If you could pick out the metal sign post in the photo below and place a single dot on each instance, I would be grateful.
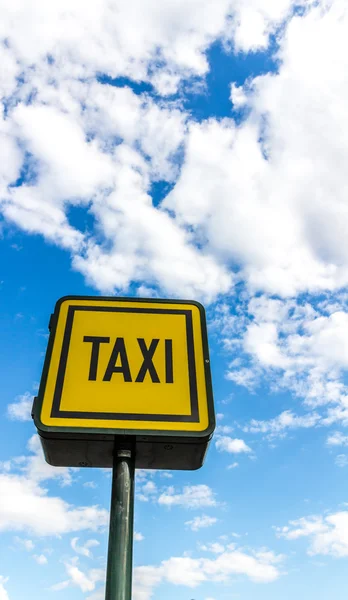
(126, 384)
(120, 552)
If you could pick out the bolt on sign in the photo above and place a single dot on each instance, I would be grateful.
(128, 371)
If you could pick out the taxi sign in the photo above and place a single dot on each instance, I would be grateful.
(126, 368)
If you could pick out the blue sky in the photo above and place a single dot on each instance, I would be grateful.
(190, 150)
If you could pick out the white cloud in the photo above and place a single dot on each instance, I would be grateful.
(233, 466)
(20, 410)
(172, 33)
(148, 241)
(328, 535)
(246, 377)
(337, 439)
(145, 579)
(288, 233)
(37, 469)
(341, 460)
(90, 484)
(41, 559)
(111, 181)
(261, 340)
(201, 522)
(85, 581)
(28, 545)
(256, 20)
(214, 547)
(3, 593)
(26, 506)
(223, 429)
(146, 491)
(194, 496)
(279, 426)
(142, 475)
(138, 537)
(298, 346)
(260, 567)
(60, 586)
(87, 39)
(84, 549)
(149, 488)
(238, 96)
(233, 446)
(111, 145)
(183, 571)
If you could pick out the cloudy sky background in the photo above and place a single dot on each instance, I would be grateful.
(193, 149)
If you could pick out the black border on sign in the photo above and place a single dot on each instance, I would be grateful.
(193, 417)
(68, 432)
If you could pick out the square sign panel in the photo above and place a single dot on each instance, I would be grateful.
(129, 367)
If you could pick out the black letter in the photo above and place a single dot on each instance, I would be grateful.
(119, 349)
(95, 341)
(169, 360)
(147, 362)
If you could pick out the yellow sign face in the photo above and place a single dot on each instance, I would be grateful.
(127, 365)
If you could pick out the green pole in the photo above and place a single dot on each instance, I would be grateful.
(120, 552)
